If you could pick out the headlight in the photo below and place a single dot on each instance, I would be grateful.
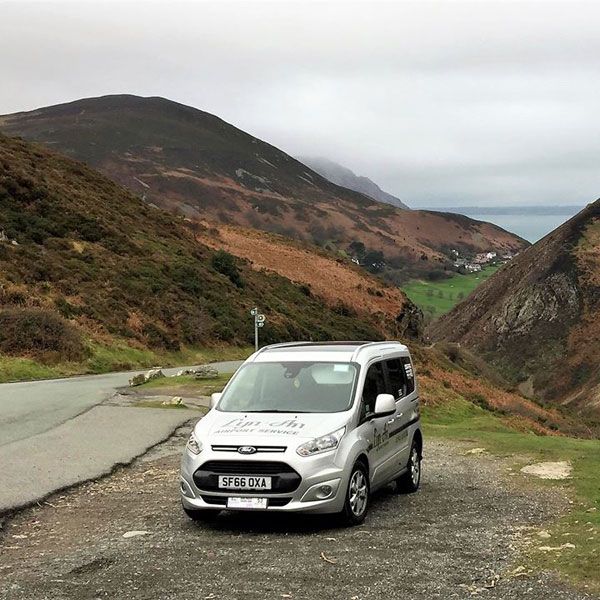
(193, 445)
(321, 444)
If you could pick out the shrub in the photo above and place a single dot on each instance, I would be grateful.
(39, 332)
(159, 338)
(224, 263)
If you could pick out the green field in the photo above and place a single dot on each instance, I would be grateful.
(461, 420)
(436, 298)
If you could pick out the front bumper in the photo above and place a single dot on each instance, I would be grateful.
(308, 496)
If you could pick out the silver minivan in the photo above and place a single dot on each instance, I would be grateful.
(307, 427)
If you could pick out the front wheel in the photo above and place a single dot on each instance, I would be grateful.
(408, 482)
(356, 504)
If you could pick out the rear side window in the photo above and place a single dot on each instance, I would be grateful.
(397, 377)
(410, 374)
(374, 385)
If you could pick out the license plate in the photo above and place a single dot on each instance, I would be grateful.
(244, 482)
(255, 503)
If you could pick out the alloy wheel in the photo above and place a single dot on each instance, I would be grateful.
(358, 493)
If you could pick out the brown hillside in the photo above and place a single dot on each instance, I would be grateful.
(83, 259)
(194, 163)
(337, 281)
(538, 318)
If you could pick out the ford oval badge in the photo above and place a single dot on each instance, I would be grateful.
(246, 449)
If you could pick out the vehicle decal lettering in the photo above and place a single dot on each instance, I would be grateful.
(244, 425)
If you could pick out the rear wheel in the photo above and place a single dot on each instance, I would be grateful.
(356, 504)
(409, 482)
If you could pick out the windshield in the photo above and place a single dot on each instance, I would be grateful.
(312, 387)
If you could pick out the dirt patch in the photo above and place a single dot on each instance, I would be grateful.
(456, 538)
(549, 470)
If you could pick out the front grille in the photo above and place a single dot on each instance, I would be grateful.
(222, 500)
(246, 467)
(283, 478)
(223, 448)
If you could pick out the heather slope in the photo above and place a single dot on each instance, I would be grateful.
(335, 280)
(192, 162)
(538, 319)
(82, 259)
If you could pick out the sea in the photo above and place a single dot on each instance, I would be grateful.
(529, 222)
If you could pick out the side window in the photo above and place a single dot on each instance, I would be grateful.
(374, 385)
(397, 378)
(410, 374)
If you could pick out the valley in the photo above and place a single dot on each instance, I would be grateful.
(536, 320)
(436, 298)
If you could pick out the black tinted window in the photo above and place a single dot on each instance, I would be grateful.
(397, 377)
(374, 385)
(410, 374)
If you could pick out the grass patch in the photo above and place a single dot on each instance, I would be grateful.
(462, 420)
(187, 385)
(117, 357)
(24, 369)
(436, 298)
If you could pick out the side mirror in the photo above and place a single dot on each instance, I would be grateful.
(214, 399)
(385, 405)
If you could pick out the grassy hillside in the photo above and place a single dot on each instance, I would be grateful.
(320, 273)
(537, 317)
(436, 298)
(192, 162)
(84, 265)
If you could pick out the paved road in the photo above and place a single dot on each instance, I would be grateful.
(458, 538)
(32, 407)
(56, 433)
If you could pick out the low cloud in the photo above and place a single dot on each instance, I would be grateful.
(444, 103)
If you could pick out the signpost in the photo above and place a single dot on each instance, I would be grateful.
(259, 321)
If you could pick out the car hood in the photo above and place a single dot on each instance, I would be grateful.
(252, 428)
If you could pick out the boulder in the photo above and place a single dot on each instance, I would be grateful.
(155, 373)
(206, 372)
(174, 401)
(137, 380)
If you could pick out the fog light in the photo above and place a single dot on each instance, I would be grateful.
(324, 492)
(185, 489)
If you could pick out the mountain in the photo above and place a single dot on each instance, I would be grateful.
(538, 318)
(343, 176)
(82, 260)
(195, 164)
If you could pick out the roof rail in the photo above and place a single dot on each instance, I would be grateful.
(360, 345)
(371, 344)
(280, 345)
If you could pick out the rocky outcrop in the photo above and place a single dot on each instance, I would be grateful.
(537, 318)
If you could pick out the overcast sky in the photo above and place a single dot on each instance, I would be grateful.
(442, 103)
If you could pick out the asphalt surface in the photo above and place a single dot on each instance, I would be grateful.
(55, 433)
(125, 536)
(32, 407)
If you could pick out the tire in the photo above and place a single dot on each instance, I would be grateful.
(200, 515)
(408, 483)
(356, 504)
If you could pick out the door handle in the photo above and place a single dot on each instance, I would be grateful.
(390, 421)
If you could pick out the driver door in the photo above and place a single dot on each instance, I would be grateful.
(375, 429)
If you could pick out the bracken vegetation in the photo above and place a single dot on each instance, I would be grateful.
(84, 260)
